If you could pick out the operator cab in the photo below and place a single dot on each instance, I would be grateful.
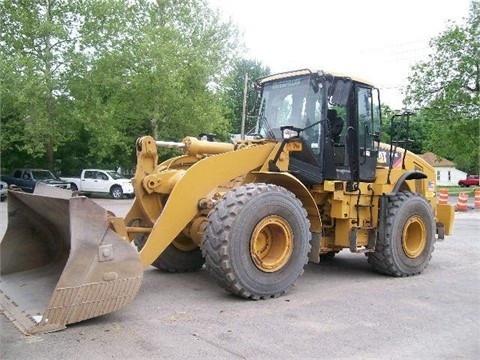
(336, 118)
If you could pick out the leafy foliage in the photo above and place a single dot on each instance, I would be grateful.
(234, 93)
(82, 80)
(447, 89)
(415, 130)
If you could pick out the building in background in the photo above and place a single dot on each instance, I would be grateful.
(447, 174)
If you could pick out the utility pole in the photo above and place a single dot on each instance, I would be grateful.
(244, 108)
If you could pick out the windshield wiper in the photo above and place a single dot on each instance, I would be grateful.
(268, 130)
(312, 125)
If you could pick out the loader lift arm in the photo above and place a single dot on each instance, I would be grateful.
(186, 190)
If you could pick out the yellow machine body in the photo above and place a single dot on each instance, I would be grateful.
(251, 211)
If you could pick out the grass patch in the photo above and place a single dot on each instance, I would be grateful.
(455, 190)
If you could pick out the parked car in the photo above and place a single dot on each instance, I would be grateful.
(27, 179)
(471, 180)
(3, 190)
(97, 181)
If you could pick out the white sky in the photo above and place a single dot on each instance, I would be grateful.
(377, 40)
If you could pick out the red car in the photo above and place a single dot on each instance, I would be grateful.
(471, 180)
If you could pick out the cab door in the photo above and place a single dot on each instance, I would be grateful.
(368, 131)
(102, 184)
(89, 181)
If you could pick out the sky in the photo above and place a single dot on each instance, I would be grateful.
(376, 40)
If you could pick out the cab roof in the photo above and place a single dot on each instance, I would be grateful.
(300, 72)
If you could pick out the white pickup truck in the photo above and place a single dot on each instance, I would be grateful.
(95, 181)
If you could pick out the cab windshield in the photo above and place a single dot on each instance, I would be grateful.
(115, 175)
(292, 102)
(43, 175)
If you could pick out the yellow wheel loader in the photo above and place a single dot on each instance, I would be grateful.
(312, 180)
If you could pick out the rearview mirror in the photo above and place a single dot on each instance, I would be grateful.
(339, 91)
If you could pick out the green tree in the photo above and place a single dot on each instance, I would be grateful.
(31, 79)
(42, 43)
(416, 131)
(447, 90)
(234, 92)
(82, 80)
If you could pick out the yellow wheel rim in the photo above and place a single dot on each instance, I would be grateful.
(414, 238)
(271, 243)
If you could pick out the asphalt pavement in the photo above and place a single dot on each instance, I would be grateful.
(338, 309)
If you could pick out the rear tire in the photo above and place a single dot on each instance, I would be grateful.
(73, 187)
(116, 192)
(407, 245)
(256, 242)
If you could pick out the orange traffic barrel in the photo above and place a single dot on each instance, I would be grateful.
(462, 201)
(477, 199)
(443, 197)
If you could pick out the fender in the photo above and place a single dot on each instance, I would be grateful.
(294, 185)
(409, 175)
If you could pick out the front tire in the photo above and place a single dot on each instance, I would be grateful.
(256, 242)
(407, 245)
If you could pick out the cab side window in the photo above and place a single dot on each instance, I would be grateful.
(368, 112)
(368, 117)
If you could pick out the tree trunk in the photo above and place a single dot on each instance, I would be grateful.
(50, 155)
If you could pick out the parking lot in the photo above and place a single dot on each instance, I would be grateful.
(337, 310)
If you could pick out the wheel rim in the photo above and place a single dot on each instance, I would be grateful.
(271, 243)
(117, 193)
(414, 236)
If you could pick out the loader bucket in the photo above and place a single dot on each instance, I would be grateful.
(61, 263)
